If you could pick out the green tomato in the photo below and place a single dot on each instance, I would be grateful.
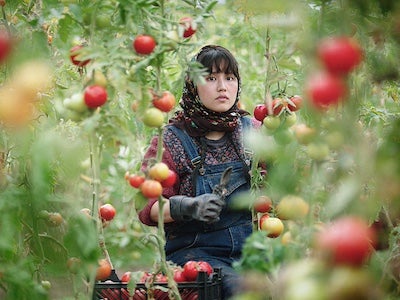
(271, 122)
(76, 103)
(318, 151)
(290, 119)
(153, 117)
(283, 137)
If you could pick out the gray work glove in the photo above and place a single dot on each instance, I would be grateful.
(205, 208)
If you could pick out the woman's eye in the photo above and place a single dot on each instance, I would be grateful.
(210, 78)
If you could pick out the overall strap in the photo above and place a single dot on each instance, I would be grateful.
(188, 144)
(190, 147)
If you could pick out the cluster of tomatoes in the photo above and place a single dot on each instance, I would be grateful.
(161, 103)
(106, 214)
(338, 56)
(271, 217)
(151, 185)
(94, 94)
(280, 111)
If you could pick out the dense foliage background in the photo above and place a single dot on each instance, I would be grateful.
(56, 161)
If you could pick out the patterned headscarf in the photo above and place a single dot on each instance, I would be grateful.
(194, 117)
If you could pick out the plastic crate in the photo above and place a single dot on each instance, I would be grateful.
(204, 288)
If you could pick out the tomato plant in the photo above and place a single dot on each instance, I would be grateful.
(144, 44)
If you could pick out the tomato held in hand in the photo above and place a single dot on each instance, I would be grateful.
(339, 55)
(95, 96)
(325, 89)
(144, 44)
(107, 212)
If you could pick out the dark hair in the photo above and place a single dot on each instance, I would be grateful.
(217, 57)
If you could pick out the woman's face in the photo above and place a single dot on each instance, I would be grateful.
(219, 91)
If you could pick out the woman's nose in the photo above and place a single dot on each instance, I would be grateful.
(221, 86)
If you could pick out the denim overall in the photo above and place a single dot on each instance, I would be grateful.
(219, 243)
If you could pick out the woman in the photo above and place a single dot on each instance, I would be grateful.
(202, 140)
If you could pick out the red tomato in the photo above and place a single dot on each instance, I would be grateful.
(178, 275)
(325, 89)
(347, 241)
(164, 103)
(278, 104)
(151, 188)
(170, 180)
(126, 277)
(263, 204)
(205, 267)
(144, 44)
(296, 103)
(192, 268)
(103, 270)
(74, 52)
(189, 26)
(136, 180)
(107, 212)
(339, 55)
(260, 112)
(95, 96)
(161, 278)
(5, 45)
